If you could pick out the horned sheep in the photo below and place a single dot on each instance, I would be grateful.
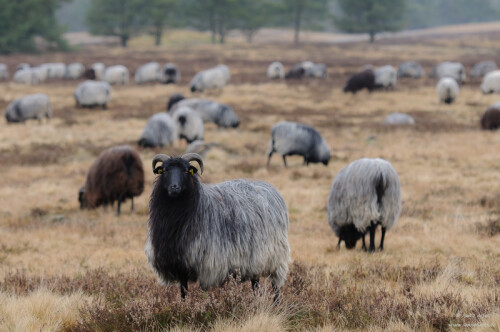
(189, 124)
(116, 75)
(35, 106)
(170, 74)
(447, 90)
(160, 130)
(116, 175)
(210, 79)
(276, 70)
(147, 73)
(92, 94)
(363, 195)
(491, 82)
(210, 111)
(205, 232)
(292, 138)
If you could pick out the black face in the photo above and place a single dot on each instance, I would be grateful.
(350, 235)
(177, 176)
(81, 192)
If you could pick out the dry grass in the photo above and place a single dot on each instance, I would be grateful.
(66, 269)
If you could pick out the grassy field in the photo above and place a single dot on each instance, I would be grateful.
(67, 269)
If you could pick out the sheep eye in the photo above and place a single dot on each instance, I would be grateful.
(158, 170)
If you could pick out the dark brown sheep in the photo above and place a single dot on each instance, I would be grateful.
(491, 118)
(359, 81)
(296, 72)
(116, 175)
(90, 74)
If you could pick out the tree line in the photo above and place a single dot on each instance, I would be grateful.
(21, 21)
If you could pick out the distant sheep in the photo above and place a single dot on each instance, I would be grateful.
(410, 69)
(210, 111)
(35, 106)
(307, 69)
(99, 69)
(317, 70)
(360, 81)
(276, 70)
(447, 90)
(292, 138)
(55, 70)
(160, 130)
(386, 77)
(206, 232)
(116, 75)
(27, 76)
(174, 99)
(4, 72)
(491, 118)
(454, 70)
(491, 82)
(189, 124)
(42, 72)
(74, 71)
(116, 175)
(210, 79)
(296, 72)
(90, 74)
(482, 68)
(364, 194)
(147, 73)
(93, 94)
(170, 74)
(399, 119)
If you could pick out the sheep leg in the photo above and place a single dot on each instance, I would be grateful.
(338, 243)
(118, 208)
(364, 244)
(382, 240)
(132, 206)
(184, 288)
(269, 158)
(284, 160)
(373, 227)
(276, 290)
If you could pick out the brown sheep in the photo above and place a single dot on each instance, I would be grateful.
(491, 118)
(90, 74)
(117, 174)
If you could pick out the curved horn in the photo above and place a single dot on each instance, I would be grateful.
(194, 157)
(159, 157)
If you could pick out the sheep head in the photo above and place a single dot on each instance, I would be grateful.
(177, 176)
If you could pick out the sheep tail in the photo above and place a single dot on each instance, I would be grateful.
(380, 188)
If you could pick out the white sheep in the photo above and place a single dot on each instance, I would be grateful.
(482, 68)
(386, 77)
(410, 69)
(454, 70)
(276, 70)
(26, 76)
(160, 130)
(92, 94)
(189, 124)
(35, 106)
(170, 74)
(210, 79)
(147, 73)
(447, 90)
(491, 82)
(74, 71)
(116, 75)
(99, 69)
(399, 119)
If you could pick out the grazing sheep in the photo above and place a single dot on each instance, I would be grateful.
(149, 72)
(170, 74)
(116, 175)
(210, 79)
(99, 69)
(189, 124)
(55, 70)
(174, 99)
(317, 70)
(90, 74)
(116, 75)
(296, 72)
(93, 94)
(4, 72)
(42, 72)
(364, 194)
(491, 82)
(74, 71)
(454, 70)
(35, 106)
(160, 130)
(359, 81)
(399, 119)
(27, 76)
(205, 232)
(199, 147)
(386, 77)
(292, 138)
(276, 70)
(410, 69)
(210, 111)
(482, 68)
(491, 118)
(447, 90)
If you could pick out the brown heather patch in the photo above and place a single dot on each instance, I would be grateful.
(489, 228)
